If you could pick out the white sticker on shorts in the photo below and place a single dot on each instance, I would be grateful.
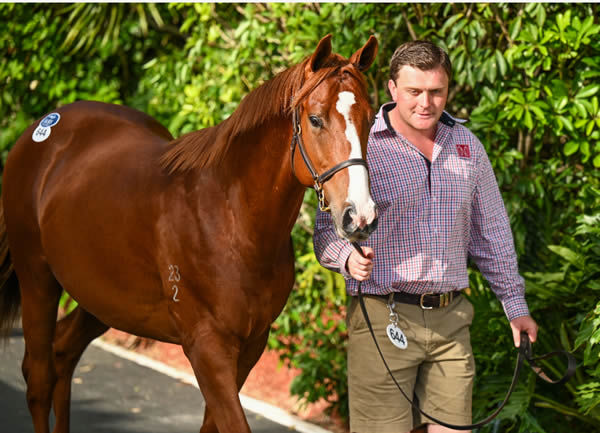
(396, 336)
(42, 132)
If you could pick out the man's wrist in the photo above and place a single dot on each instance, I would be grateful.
(516, 307)
(343, 257)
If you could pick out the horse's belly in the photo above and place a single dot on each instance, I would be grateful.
(104, 257)
(121, 297)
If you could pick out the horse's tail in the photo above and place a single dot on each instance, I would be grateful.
(10, 295)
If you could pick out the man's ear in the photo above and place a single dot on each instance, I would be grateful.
(321, 53)
(364, 57)
(392, 89)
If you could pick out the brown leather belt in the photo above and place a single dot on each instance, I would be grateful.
(427, 301)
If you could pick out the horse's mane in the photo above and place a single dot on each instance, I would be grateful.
(208, 147)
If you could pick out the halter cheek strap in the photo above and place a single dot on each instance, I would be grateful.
(318, 180)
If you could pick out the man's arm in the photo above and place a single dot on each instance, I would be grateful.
(492, 249)
(337, 254)
(331, 251)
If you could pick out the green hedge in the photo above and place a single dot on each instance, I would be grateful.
(526, 77)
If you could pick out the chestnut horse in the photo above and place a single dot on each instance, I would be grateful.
(185, 241)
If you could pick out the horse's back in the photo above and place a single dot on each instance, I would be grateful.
(87, 135)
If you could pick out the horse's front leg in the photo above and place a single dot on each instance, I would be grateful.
(249, 356)
(214, 356)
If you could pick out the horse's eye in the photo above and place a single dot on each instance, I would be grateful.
(315, 121)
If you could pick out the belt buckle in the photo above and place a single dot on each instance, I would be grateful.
(421, 302)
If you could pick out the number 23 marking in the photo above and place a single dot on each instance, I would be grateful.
(174, 276)
(174, 273)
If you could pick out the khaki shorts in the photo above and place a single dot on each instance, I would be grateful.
(437, 366)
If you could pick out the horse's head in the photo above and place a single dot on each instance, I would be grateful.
(332, 117)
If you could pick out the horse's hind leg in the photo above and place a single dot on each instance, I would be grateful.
(73, 334)
(40, 293)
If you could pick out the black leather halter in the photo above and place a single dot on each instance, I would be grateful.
(318, 180)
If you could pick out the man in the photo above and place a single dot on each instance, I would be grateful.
(438, 204)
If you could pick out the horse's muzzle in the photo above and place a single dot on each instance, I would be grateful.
(357, 227)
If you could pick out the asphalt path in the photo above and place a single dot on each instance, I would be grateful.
(111, 395)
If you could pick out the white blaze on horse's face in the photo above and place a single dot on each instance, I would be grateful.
(358, 185)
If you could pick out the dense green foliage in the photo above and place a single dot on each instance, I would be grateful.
(526, 77)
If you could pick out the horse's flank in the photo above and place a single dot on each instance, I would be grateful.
(275, 98)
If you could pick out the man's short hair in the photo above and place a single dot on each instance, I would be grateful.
(422, 55)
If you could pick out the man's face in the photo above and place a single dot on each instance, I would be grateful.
(420, 97)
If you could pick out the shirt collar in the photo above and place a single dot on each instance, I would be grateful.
(380, 124)
(383, 125)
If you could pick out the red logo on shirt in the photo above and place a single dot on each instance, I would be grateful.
(463, 150)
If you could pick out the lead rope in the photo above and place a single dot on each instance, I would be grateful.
(525, 353)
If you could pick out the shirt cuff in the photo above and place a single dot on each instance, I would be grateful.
(515, 307)
(343, 258)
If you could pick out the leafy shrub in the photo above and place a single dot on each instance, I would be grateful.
(526, 77)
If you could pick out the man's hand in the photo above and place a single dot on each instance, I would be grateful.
(524, 324)
(360, 267)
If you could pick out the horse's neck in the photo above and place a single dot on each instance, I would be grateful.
(260, 189)
(271, 188)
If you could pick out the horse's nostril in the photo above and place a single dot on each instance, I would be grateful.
(373, 225)
(347, 217)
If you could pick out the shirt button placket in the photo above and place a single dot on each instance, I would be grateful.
(434, 213)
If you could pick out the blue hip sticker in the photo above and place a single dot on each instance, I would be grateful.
(50, 120)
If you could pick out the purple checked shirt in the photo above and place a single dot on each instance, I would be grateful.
(432, 216)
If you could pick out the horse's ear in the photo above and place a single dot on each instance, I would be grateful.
(364, 57)
(321, 53)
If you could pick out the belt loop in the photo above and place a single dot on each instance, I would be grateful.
(391, 298)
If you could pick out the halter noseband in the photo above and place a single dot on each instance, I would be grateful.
(318, 180)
